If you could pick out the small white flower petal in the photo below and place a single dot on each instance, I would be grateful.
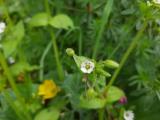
(2, 27)
(83, 69)
(128, 115)
(89, 71)
(11, 60)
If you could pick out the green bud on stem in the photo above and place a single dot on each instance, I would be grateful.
(111, 64)
(101, 71)
(70, 52)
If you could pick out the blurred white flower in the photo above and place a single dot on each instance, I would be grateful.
(128, 115)
(87, 66)
(2, 27)
(149, 3)
(11, 60)
(156, 1)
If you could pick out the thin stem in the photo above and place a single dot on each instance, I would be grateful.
(106, 13)
(47, 7)
(13, 84)
(80, 42)
(55, 48)
(48, 47)
(126, 55)
(58, 63)
(42, 60)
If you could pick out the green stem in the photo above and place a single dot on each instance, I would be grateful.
(47, 7)
(48, 47)
(13, 84)
(80, 42)
(106, 13)
(126, 55)
(58, 63)
(42, 60)
(55, 48)
(121, 113)
(101, 114)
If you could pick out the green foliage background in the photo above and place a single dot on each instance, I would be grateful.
(139, 77)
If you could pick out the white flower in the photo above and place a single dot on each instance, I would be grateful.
(2, 27)
(11, 60)
(87, 66)
(156, 1)
(128, 115)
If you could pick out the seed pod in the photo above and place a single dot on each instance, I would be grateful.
(70, 52)
(101, 71)
(111, 64)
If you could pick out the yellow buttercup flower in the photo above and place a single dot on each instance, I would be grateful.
(48, 89)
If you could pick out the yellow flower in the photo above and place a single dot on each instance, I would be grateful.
(48, 89)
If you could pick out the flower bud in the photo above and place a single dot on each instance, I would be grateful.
(111, 64)
(101, 71)
(123, 100)
(70, 52)
(91, 93)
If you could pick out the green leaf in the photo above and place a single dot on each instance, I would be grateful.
(61, 21)
(128, 11)
(94, 103)
(48, 114)
(71, 86)
(13, 40)
(16, 69)
(79, 60)
(114, 94)
(40, 19)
